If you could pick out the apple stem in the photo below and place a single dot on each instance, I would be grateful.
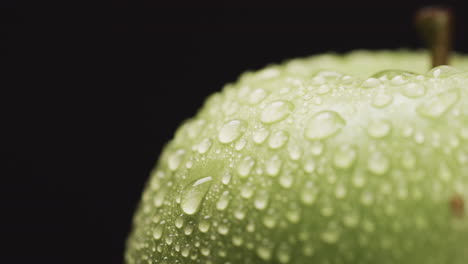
(436, 25)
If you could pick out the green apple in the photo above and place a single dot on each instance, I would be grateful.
(355, 158)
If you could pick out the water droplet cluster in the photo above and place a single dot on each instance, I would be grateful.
(292, 163)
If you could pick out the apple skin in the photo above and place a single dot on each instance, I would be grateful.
(355, 158)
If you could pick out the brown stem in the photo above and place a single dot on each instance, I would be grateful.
(436, 25)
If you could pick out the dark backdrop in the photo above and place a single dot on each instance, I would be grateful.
(88, 99)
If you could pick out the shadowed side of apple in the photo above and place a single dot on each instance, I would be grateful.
(355, 158)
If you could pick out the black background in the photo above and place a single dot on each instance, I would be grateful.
(88, 99)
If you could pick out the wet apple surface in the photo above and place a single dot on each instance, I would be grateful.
(355, 158)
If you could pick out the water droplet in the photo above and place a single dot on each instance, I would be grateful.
(245, 166)
(226, 178)
(295, 152)
(408, 160)
(239, 214)
(276, 111)
(204, 225)
(378, 163)
(264, 252)
(340, 191)
(179, 222)
(223, 229)
(308, 250)
(439, 104)
(278, 139)
(270, 220)
(231, 131)
(194, 194)
(316, 148)
(381, 100)
(240, 144)
(371, 83)
(286, 180)
(157, 233)
(237, 241)
(205, 251)
(174, 159)
(223, 201)
(351, 220)
(379, 128)
(256, 96)
(260, 135)
(323, 89)
(443, 71)
(344, 156)
(324, 124)
(188, 230)
(159, 198)
(261, 200)
(419, 137)
(293, 214)
(444, 172)
(309, 165)
(398, 80)
(309, 193)
(185, 252)
(368, 226)
(283, 253)
(250, 227)
(367, 198)
(331, 235)
(194, 128)
(247, 191)
(204, 146)
(273, 165)
(413, 90)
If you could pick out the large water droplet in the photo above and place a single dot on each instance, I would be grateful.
(276, 111)
(231, 131)
(261, 200)
(223, 201)
(245, 166)
(194, 194)
(260, 135)
(379, 128)
(273, 165)
(439, 104)
(378, 163)
(278, 139)
(344, 156)
(324, 124)
(174, 159)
